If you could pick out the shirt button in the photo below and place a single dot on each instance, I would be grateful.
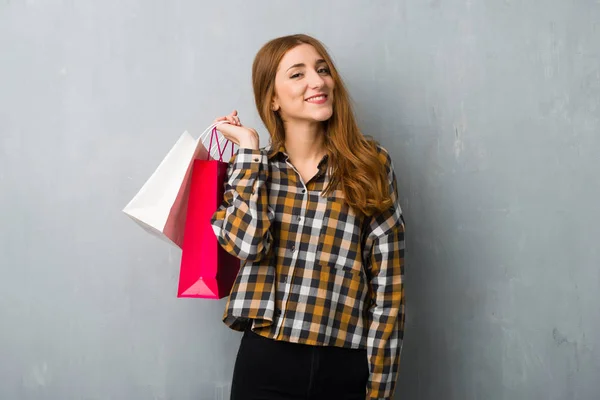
(256, 160)
(303, 190)
(292, 248)
(299, 218)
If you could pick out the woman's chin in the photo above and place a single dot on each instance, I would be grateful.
(322, 116)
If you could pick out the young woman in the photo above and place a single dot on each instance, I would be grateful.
(316, 220)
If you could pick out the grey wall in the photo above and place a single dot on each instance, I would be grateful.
(491, 112)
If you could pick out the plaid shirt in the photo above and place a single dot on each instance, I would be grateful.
(314, 271)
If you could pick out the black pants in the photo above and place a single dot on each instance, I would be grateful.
(268, 369)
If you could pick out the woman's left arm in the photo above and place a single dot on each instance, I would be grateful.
(384, 253)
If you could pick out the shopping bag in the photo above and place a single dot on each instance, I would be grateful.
(207, 270)
(161, 204)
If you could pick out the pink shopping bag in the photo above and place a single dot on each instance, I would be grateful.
(207, 270)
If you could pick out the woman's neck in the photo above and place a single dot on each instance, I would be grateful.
(304, 143)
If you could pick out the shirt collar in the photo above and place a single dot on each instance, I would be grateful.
(283, 156)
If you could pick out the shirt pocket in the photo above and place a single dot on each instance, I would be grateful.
(339, 239)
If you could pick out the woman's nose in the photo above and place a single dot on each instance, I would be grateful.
(315, 80)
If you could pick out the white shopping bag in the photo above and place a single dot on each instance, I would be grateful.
(161, 204)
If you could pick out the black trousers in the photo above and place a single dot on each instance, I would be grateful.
(268, 369)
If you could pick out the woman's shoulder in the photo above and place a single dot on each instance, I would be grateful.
(384, 156)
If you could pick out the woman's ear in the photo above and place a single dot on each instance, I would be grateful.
(274, 104)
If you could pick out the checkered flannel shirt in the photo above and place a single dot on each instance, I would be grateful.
(313, 271)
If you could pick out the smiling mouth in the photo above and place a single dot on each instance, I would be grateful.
(317, 99)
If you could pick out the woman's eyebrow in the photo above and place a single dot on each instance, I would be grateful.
(319, 61)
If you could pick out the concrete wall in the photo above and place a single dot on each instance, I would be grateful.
(491, 111)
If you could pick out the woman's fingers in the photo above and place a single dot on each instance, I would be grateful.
(226, 117)
(231, 118)
(234, 119)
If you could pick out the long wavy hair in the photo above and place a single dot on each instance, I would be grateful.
(358, 170)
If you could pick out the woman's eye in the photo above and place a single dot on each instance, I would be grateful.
(296, 75)
(323, 70)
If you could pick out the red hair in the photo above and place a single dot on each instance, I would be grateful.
(358, 170)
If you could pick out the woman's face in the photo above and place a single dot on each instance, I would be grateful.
(303, 86)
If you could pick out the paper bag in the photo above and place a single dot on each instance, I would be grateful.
(207, 270)
(160, 206)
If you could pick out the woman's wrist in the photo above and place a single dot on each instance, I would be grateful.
(251, 144)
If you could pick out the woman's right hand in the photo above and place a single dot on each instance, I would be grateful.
(234, 131)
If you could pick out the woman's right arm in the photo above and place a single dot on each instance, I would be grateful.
(242, 223)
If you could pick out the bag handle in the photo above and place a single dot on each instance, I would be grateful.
(213, 132)
(221, 152)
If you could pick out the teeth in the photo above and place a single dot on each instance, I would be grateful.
(317, 98)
